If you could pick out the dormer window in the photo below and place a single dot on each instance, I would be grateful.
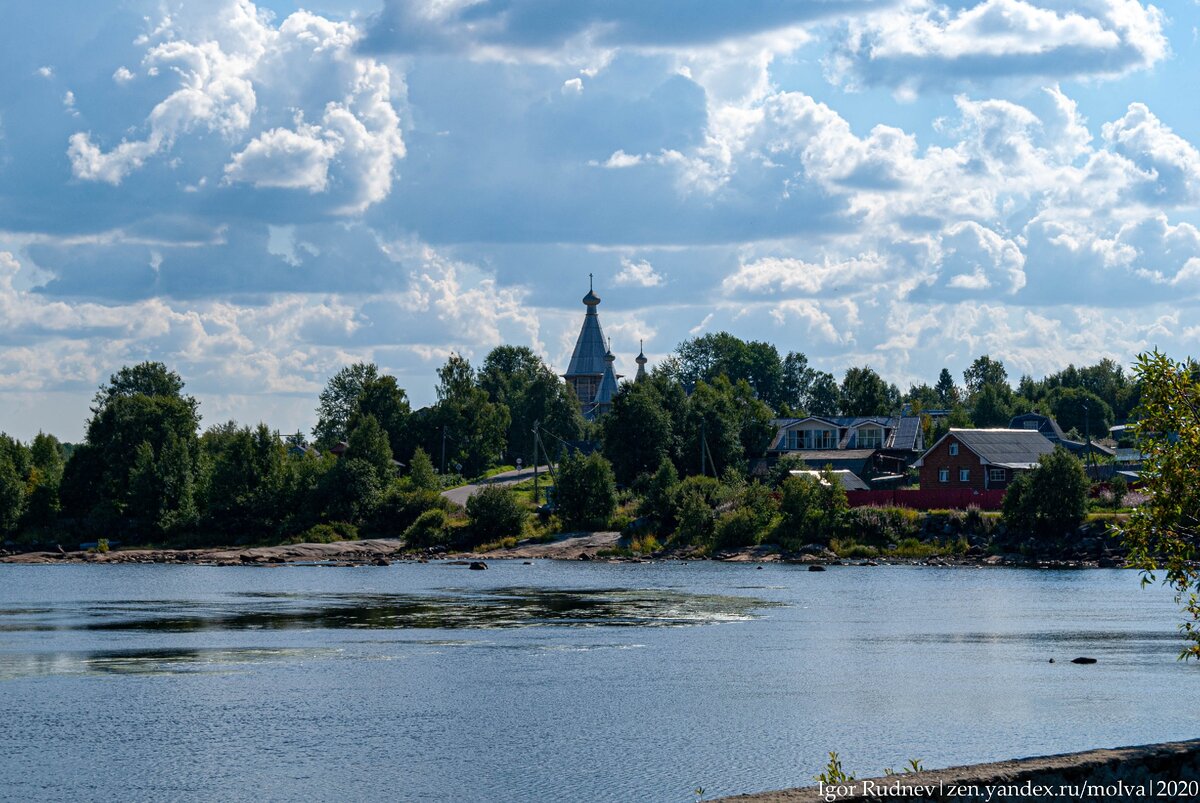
(870, 438)
(1031, 424)
(954, 450)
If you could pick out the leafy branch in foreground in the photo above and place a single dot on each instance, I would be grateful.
(1162, 533)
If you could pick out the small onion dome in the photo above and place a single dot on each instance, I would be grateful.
(591, 299)
(641, 357)
(608, 356)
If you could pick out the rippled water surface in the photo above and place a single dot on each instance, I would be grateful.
(560, 681)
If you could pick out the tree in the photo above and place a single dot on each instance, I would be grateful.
(421, 473)
(515, 377)
(45, 479)
(1083, 410)
(704, 358)
(946, 391)
(1164, 531)
(712, 430)
(339, 400)
(824, 396)
(12, 487)
(993, 407)
(810, 507)
(797, 383)
(585, 493)
(369, 443)
(474, 427)
(658, 501)
(494, 513)
(383, 399)
(637, 432)
(100, 484)
(1050, 500)
(243, 478)
(864, 393)
(984, 372)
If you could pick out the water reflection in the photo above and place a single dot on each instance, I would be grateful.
(447, 608)
(144, 661)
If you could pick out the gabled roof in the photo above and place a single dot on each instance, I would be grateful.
(1008, 448)
(1047, 425)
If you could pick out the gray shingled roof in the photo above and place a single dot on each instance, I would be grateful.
(1011, 448)
(608, 385)
(588, 356)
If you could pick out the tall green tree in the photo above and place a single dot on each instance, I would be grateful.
(1050, 500)
(368, 442)
(12, 484)
(140, 405)
(47, 459)
(1163, 532)
(984, 372)
(384, 400)
(1080, 410)
(824, 395)
(947, 391)
(864, 392)
(712, 430)
(475, 428)
(339, 401)
(515, 377)
(704, 358)
(637, 432)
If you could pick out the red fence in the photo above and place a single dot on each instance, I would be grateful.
(931, 499)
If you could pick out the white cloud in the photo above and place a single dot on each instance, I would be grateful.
(637, 274)
(122, 75)
(223, 63)
(923, 42)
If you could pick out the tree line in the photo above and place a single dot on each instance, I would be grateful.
(145, 472)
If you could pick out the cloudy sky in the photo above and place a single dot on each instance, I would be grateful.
(260, 194)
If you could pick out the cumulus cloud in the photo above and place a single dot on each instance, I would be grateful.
(637, 274)
(925, 43)
(223, 63)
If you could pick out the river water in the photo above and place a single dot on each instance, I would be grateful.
(561, 680)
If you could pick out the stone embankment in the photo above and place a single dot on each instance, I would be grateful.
(1163, 771)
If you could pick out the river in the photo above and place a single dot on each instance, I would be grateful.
(561, 680)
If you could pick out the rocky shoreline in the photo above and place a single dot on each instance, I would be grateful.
(572, 546)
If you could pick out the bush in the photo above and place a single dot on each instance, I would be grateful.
(399, 508)
(328, 533)
(849, 548)
(737, 528)
(432, 528)
(586, 491)
(880, 525)
(695, 517)
(645, 545)
(1050, 500)
(658, 496)
(811, 508)
(494, 513)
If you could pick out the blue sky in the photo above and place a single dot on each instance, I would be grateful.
(260, 194)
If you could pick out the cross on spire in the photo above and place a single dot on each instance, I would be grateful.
(590, 282)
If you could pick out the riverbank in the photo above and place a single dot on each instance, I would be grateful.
(600, 546)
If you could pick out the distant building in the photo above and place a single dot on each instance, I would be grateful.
(848, 479)
(860, 444)
(592, 372)
(1053, 433)
(981, 459)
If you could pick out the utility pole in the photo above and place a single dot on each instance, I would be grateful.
(535, 462)
(703, 468)
(443, 448)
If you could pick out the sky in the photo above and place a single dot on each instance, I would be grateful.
(260, 194)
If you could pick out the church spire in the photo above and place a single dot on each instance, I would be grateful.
(641, 362)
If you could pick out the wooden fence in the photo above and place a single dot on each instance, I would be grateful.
(928, 499)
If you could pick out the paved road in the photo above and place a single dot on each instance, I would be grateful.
(461, 494)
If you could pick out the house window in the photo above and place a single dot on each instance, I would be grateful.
(1031, 424)
(996, 475)
(964, 475)
(943, 475)
(793, 440)
(954, 450)
(870, 438)
(818, 439)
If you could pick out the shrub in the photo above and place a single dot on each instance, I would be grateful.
(658, 499)
(737, 528)
(810, 508)
(399, 508)
(880, 525)
(102, 545)
(849, 548)
(420, 472)
(1051, 499)
(432, 528)
(645, 545)
(695, 517)
(494, 513)
(586, 491)
(328, 533)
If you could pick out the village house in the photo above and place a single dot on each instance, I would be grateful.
(1053, 433)
(864, 445)
(981, 459)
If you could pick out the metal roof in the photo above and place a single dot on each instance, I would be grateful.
(608, 384)
(1013, 448)
(850, 481)
(905, 435)
(588, 356)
